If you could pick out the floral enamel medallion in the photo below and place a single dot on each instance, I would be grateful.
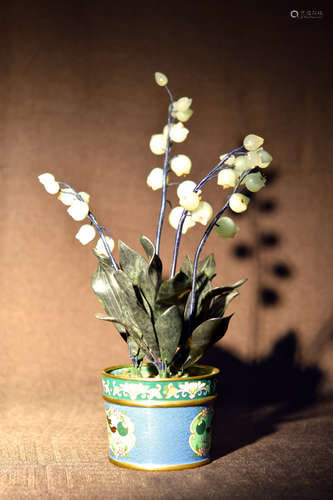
(120, 432)
(201, 432)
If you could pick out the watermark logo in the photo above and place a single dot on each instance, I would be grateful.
(306, 14)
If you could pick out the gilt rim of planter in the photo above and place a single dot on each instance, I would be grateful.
(211, 371)
(161, 404)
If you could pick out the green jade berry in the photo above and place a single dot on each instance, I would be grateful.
(226, 228)
(265, 157)
(254, 182)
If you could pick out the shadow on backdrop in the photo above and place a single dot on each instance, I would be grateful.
(255, 396)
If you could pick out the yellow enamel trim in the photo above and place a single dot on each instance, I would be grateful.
(160, 404)
(152, 468)
(211, 372)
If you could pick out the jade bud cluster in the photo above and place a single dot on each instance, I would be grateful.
(78, 209)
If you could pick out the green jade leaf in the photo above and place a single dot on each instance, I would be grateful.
(147, 291)
(203, 337)
(187, 267)
(137, 269)
(121, 305)
(169, 328)
(174, 291)
(206, 266)
(218, 307)
(155, 263)
(102, 287)
(135, 314)
(132, 263)
(221, 291)
(205, 273)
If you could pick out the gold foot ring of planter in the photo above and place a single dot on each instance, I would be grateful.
(153, 468)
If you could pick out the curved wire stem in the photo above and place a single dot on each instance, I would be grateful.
(201, 245)
(100, 229)
(211, 175)
(165, 172)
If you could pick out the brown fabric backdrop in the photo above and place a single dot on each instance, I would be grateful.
(78, 100)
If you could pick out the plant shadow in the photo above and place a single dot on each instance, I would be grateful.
(255, 396)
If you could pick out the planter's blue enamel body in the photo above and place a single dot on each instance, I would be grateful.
(160, 424)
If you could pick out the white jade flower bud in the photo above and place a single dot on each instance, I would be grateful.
(85, 234)
(85, 196)
(46, 178)
(78, 210)
(226, 227)
(254, 159)
(252, 142)
(203, 213)
(183, 104)
(67, 196)
(100, 248)
(181, 165)
(49, 183)
(265, 157)
(254, 182)
(161, 79)
(178, 132)
(185, 187)
(174, 218)
(182, 116)
(158, 144)
(230, 161)
(238, 202)
(189, 201)
(227, 178)
(52, 187)
(155, 178)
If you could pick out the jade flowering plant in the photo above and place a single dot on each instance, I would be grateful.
(170, 321)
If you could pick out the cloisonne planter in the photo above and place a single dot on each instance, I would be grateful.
(159, 423)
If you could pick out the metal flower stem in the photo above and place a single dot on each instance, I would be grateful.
(177, 242)
(165, 172)
(99, 228)
(159, 365)
(204, 180)
(91, 217)
(201, 244)
(134, 360)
